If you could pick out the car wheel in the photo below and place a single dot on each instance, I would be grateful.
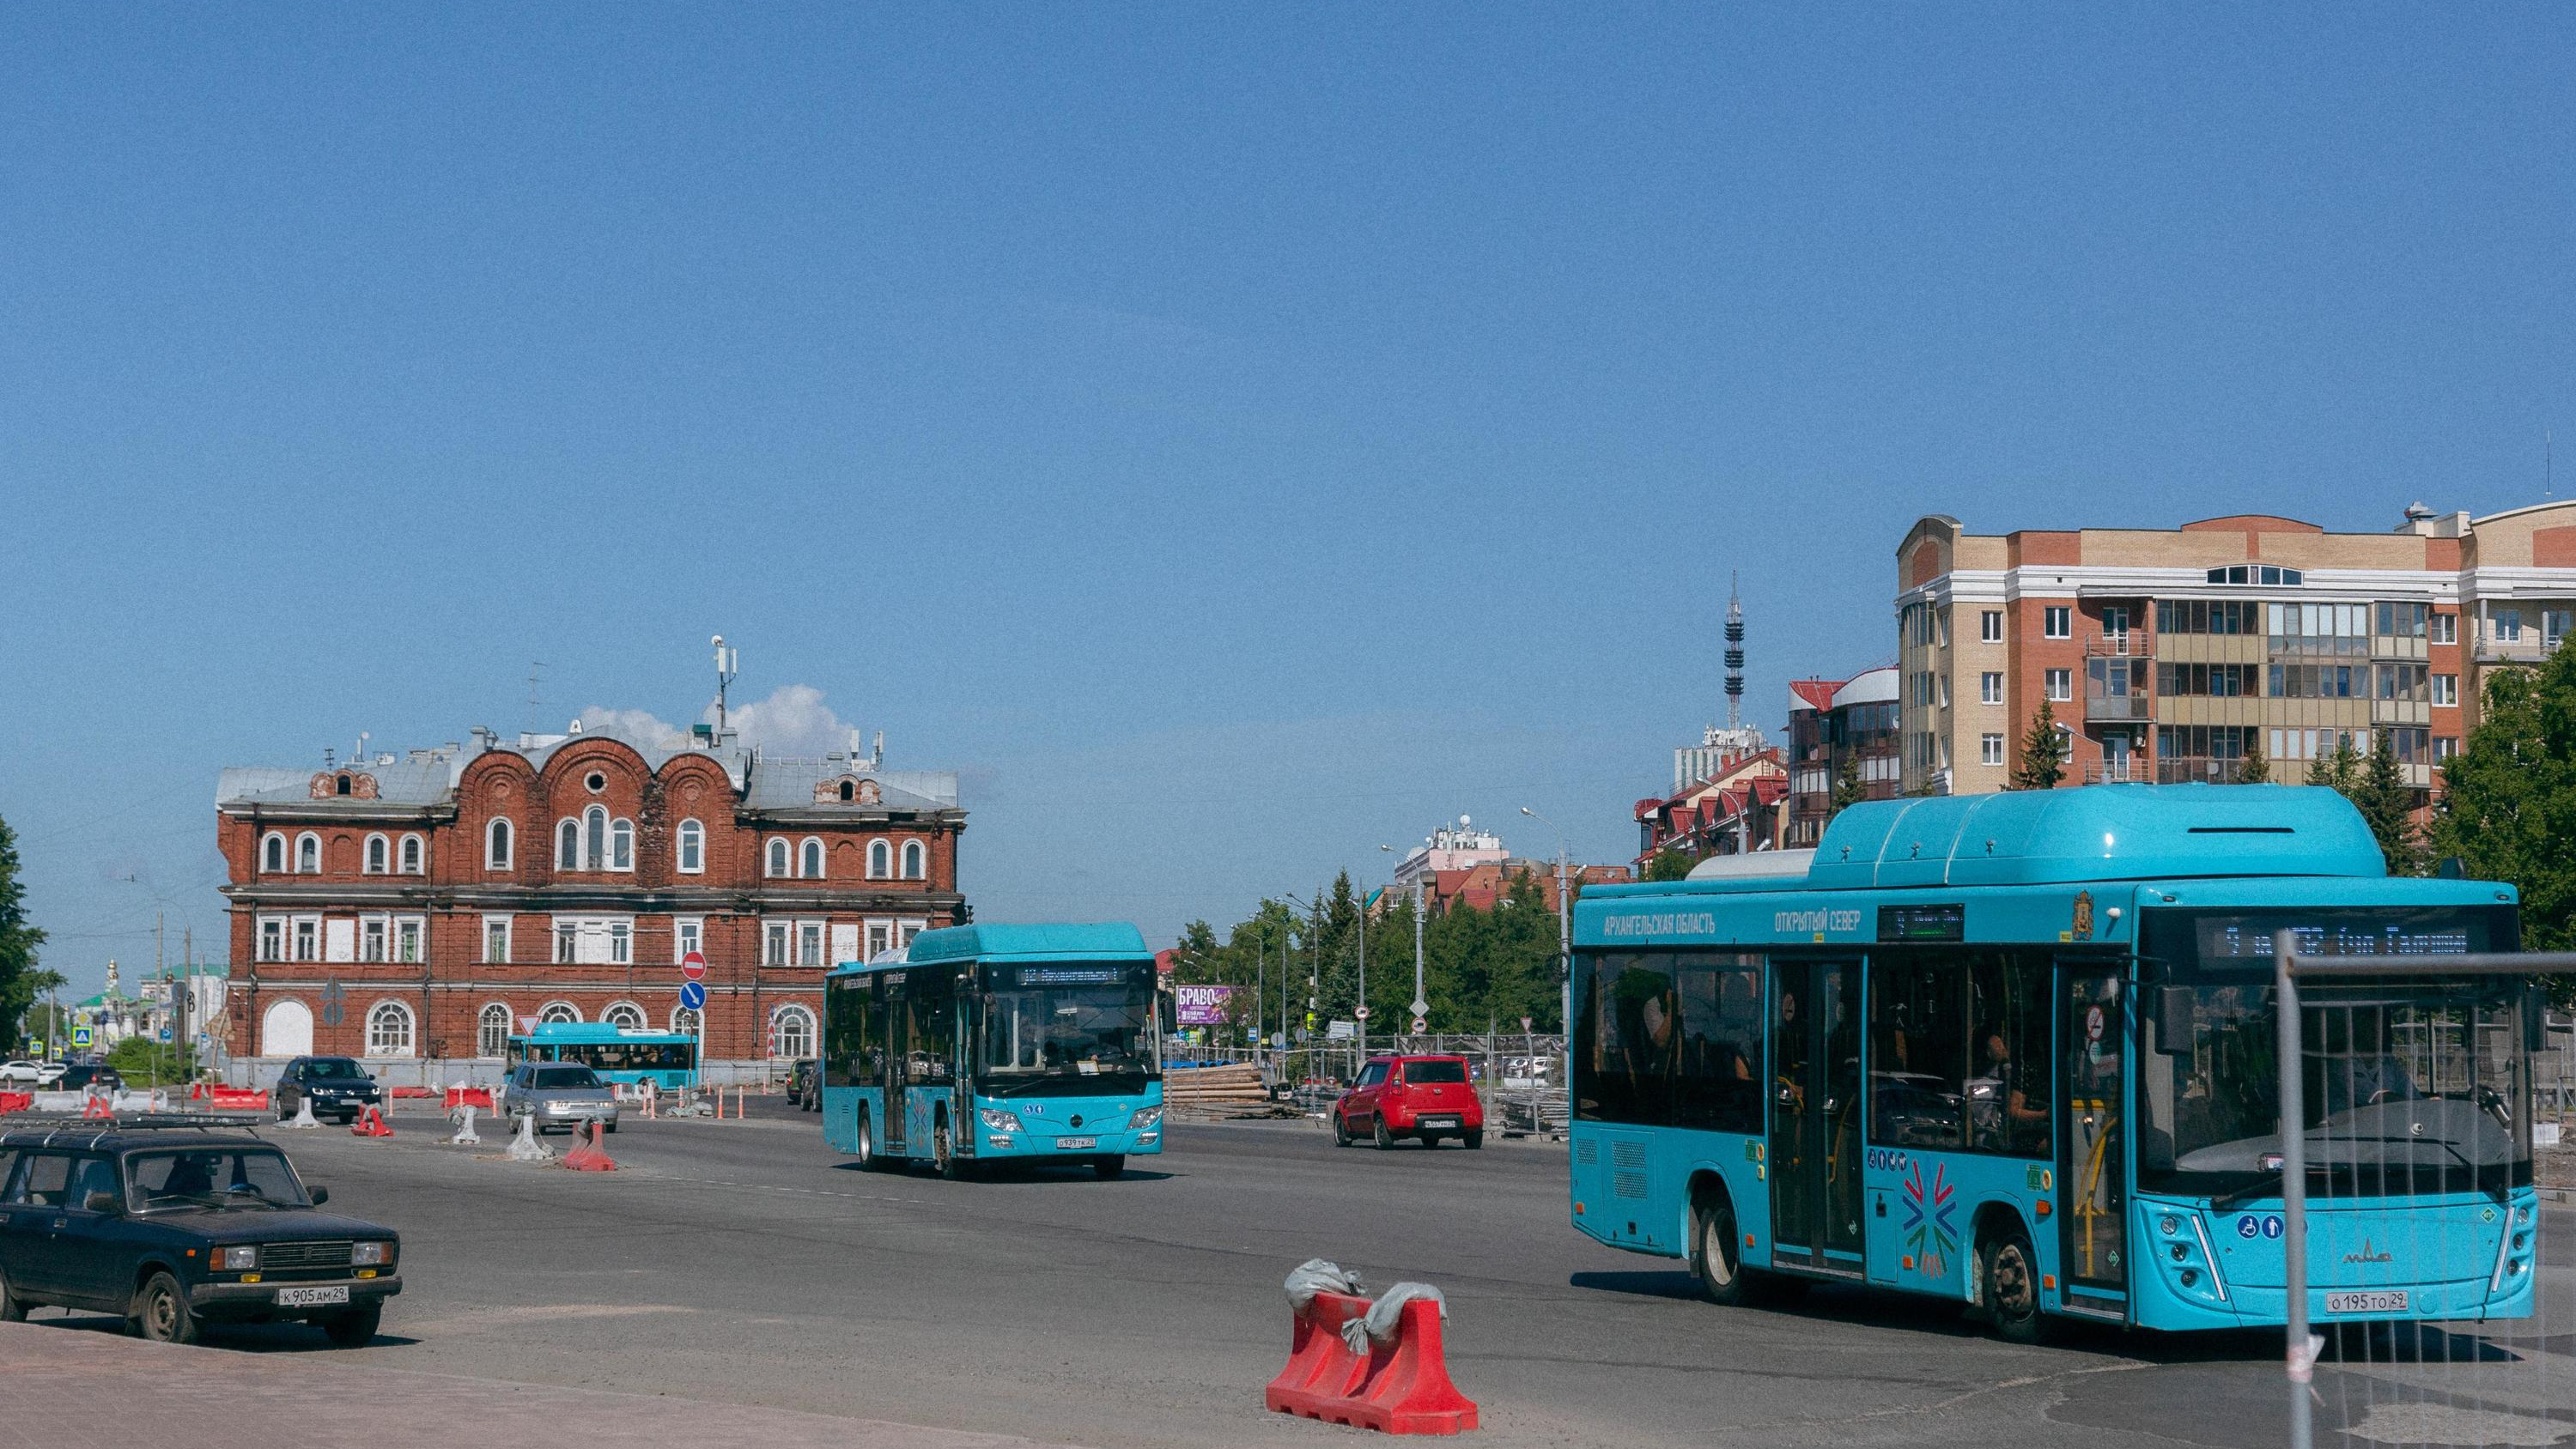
(161, 1312)
(1109, 1168)
(13, 1309)
(1341, 1130)
(1474, 1137)
(355, 1328)
(2010, 1275)
(1379, 1137)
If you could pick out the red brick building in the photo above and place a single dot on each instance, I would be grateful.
(442, 900)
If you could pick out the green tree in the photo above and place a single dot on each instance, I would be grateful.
(2339, 768)
(2254, 769)
(18, 942)
(145, 1063)
(2043, 753)
(2509, 801)
(1849, 788)
(1670, 864)
(2387, 803)
(37, 1021)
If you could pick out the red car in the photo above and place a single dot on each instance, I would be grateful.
(1425, 1097)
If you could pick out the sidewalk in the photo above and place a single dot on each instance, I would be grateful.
(73, 1388)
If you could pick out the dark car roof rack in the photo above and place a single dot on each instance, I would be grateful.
(55, 1131)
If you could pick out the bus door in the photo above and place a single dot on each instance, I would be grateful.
(1815, 1141)
(2092, 1168)
(894, 1027)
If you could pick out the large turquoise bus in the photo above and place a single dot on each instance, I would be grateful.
(2018, 1051)
(628, 1055)
(978, 1044)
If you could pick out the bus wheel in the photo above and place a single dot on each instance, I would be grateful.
(867, 1143)
(1714, 1258)
(2011, 1286)
(943, 1153)
(1109, 1167)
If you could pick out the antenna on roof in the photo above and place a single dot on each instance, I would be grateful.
(536, 678)
(728, 664)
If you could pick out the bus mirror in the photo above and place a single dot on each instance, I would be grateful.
(2174, 1021)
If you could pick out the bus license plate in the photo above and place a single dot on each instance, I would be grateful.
(312, 1297)
(1070, 1143)
(2378, 1300)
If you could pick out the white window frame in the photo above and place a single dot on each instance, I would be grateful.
(819, 934)
(565, 937)
(375, 939)
(880, 938)
(596, 940)
(688, 1023)
(880, 859)
(312, 842)
(378, 857)
(2446, 690)
(304, 939)
(2057, 621)
(909, 927)
(411, 857)
(269, 942)
(568, 850)
(779, 1017)
(621, 844)
(1990, 749)
(558, 1010)
(594, 838)
(775, 858)
(1990, 626)
(500, 924)
(2061, 685)
(500, 842)
(2446, 629)
(411, 940)
(483, 1028)
(609, 1016)
(274, 853)
(811, 858)
(687, 933)
(916, 858)
(1990, 687)
(690, 857)
(392, 1010)
(777, 941)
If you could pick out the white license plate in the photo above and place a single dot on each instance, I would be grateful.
(1070, 1143)
(312, 1297)
(2373, 1300)
(1439, 1121)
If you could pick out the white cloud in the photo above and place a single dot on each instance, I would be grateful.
(793, 720)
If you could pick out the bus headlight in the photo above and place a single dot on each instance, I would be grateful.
(997, 1120)
(1145, 1119)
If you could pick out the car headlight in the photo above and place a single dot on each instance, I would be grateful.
(236, 1260)
(372, 1254)
(1145, 1119)
(997, 1120)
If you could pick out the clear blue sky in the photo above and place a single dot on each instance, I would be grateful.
(1233, 436)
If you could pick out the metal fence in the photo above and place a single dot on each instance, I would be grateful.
(1520, 1075)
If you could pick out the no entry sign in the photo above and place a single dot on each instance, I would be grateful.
(693, 966)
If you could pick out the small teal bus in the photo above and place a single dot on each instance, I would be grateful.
(982, 1044)
(667, 1059)
(2018, 1051)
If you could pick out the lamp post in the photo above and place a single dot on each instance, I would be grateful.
(1564, 932)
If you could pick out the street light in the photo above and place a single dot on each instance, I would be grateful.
(1564, 932)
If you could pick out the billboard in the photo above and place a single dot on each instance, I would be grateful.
(1202, 1005)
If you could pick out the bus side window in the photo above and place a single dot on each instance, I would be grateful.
(1918, 1070)
(1718, 1086)
(2009, 1056)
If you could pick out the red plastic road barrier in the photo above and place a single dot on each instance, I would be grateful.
(196, 1091)
(413, 1092)
(97, 1108)
(589, 1156)
(469, 1096)
(235, 1099)
(370, 1123)
(1400, 1388)
(16, 1101)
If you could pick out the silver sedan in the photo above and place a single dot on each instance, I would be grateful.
(559, 1094)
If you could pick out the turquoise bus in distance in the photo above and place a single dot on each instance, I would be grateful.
(2018, 1051)
(627, 1055)
(982, 1044)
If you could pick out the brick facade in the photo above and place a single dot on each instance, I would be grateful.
(475, 905)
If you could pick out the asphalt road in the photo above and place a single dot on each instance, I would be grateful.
(747, 1263)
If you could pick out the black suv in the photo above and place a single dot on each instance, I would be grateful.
(84, 1076)
(172, 1228)
(338, 1088)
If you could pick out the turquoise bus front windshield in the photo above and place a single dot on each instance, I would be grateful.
(1061, 1030)
(2410, 1086)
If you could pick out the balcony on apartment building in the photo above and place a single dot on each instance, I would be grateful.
(2117, 689)
(2120, 644)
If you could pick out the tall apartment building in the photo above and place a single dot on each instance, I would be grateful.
(1832, 722)
(2169, 654)
(423, 908)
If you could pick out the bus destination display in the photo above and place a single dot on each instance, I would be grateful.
(1071, 975)
(1947, 921)
(2249, 938)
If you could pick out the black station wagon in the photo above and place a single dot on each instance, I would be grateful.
(172, 1228)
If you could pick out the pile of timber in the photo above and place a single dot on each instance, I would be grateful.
(1215, 1087)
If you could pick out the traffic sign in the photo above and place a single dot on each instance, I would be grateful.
(693, 966)
(37, 1046)
(1361, 1012)
(693, 995)
(80, 1038)
(165, 1033)
(1420, 1026)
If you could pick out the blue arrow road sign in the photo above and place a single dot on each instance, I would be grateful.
(693, 994)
